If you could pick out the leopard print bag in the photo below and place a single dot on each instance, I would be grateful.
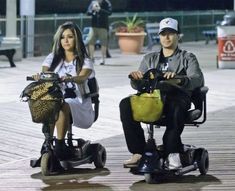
(44, 99)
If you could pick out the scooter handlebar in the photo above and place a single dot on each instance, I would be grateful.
(161, 78)
(130, 77)
(30, 78)
(46, 77)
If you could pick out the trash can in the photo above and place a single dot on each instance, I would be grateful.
(226, 42)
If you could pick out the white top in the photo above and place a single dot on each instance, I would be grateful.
(70, 68)
(81, 108)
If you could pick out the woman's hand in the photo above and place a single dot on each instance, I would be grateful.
(67, 78)
(36, 77)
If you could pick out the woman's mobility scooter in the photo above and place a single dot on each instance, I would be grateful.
(152, 164)
(45, 99)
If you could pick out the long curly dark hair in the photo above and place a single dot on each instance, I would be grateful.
(80, 51)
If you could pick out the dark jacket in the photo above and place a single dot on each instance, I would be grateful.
(100, 19)
(182, 63)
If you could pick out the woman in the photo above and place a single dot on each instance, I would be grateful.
(69, 59)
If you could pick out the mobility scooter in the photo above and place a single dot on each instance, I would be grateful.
(45, 99)
(151, 164)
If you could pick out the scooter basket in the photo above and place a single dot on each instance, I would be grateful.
(43, 110)
(44, 99)
(147, 107)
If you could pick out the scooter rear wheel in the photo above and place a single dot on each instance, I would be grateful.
(203, 162)
(99, 155)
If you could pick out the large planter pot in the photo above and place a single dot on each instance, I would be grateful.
(131, 43)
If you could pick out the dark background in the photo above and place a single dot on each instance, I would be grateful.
(80, 6)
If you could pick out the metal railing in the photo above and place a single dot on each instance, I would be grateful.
(192, 23)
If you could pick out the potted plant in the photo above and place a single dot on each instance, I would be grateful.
(131, 35)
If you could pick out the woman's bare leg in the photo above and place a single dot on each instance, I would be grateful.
(63, 121)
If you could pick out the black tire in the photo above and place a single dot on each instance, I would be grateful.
(149, 178)
(99, 155)
(46, 164)
(203, 162)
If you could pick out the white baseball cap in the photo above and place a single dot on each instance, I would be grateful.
(168, 23)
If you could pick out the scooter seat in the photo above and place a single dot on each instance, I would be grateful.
(193, 115)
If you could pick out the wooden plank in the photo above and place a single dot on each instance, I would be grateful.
(19, 176)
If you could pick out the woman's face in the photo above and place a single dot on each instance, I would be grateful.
(68, 40)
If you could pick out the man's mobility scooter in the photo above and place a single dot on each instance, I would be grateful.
(45, 99)
(151, 165)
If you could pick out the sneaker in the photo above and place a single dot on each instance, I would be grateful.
(133, 161)
(173, 161)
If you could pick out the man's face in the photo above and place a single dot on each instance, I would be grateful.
(169, 39)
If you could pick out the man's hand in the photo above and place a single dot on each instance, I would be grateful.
(169, 75)
(136, 75)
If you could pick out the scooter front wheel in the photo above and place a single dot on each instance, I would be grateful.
(149, 178)
(99, 155)
(46, 164)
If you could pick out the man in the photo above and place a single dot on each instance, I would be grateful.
(170, 61)
(99, 10)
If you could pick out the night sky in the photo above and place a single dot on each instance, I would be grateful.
(78, 6)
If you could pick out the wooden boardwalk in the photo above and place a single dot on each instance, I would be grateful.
(217, 135)
(22, 139)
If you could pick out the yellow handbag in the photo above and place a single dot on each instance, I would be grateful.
(147, 107)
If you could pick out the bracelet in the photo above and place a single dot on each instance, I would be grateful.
(69, 79)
